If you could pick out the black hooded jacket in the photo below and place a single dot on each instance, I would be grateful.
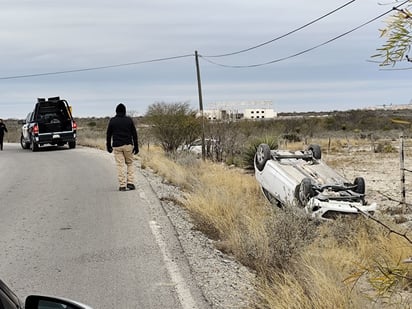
(2, 128)
(122, 129)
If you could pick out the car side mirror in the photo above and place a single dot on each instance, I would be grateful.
(47, 302)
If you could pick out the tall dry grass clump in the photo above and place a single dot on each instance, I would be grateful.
(181, 173)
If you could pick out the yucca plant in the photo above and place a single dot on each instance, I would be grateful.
(248, 154)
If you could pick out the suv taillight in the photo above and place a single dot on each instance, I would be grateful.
(74, 125)
(35, 129)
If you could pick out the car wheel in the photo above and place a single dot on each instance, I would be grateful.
(34, 147)
(72, 144)
(316, 152)
(359, 182)
(262, 155)
(306, 191)
(23, 143)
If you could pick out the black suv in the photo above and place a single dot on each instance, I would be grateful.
(51, 122)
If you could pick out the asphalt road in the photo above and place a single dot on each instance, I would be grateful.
(66, 230)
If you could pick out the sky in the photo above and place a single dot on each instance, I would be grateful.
(48, 36)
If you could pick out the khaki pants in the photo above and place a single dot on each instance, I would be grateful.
(124, 155)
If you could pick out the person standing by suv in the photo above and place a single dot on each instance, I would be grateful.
(121, 139)
(2, 130)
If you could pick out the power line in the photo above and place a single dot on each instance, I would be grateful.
(396, 69)
(306, 50)
(170, 58)
(222, 55)
(97, 68)
(284, 35)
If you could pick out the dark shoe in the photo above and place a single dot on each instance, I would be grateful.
(131, 186)
(122, 188)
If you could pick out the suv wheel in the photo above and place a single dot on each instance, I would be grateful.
(34, 147)
(23, 143)
(305, 192)
(262, 155)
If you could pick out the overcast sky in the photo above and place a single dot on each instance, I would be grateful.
(46, 36)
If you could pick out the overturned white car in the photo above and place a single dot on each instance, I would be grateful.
(302, 179)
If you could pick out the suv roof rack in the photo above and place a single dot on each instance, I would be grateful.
(54, 99)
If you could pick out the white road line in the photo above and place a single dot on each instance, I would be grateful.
(183, 292)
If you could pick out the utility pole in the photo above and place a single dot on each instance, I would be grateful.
(199, 88)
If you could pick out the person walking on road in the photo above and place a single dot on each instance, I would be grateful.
(2, 130)
(121, 139)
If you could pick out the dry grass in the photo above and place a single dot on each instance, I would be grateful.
(310, 288)
(343, 264)
(361, 270)
(91, 138)
(169, 169)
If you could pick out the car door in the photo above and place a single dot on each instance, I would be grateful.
(8, 300)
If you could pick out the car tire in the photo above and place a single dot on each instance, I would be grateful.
(316, 151)
(72, 144)
(359, 182)
(23, 143)
(306, 191)
(33, 146)
(262, 156)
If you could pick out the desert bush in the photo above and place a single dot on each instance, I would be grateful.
(292, 137)
(289, 231)
(384, 147)
(173, 124)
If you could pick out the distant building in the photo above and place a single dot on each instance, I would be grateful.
(232, 111)
(259, 113)
(391, 107)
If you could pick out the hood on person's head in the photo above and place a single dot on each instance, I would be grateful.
(121, 109)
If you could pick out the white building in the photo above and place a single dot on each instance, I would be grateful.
(232, 111)
(259, 113)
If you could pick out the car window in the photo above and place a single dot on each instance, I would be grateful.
(44, 304)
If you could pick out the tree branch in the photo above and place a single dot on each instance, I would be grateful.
(384, 225)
